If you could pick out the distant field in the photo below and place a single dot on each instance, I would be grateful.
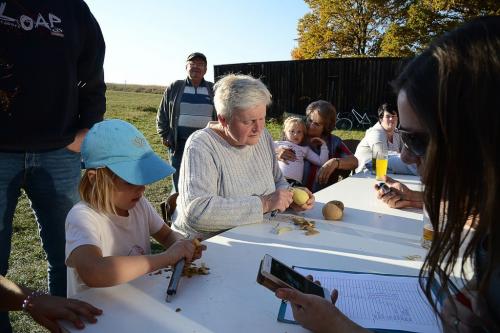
(27, 264)
(136, 88)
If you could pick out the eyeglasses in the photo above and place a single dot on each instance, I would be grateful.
(314, 123)
(416, 143)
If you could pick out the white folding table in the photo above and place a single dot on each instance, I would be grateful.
(371, 238)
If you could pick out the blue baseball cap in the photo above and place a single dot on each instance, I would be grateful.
(122, 148)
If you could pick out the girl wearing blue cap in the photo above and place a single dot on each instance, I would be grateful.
(108, 232)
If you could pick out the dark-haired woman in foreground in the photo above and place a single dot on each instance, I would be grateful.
(449, 106)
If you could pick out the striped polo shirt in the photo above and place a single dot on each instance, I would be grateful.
(196, 110)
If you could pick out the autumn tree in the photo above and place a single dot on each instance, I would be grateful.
(336, 28)
(341, 28)
(425, 20)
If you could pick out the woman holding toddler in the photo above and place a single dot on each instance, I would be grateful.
(321, 117)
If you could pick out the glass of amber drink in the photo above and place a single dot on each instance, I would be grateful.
(381, 165)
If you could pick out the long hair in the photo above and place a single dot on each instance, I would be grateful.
(97, 191)
(454, 89)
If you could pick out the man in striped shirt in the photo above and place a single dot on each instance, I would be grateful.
(187, 106)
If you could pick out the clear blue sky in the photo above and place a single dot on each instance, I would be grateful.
(147, 41)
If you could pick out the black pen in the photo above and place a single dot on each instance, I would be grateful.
(174, 279)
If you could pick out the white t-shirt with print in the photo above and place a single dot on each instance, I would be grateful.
(114, 235)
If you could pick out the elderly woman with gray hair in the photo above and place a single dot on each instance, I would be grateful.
(229, 174)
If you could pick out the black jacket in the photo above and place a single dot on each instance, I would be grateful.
(51, 73)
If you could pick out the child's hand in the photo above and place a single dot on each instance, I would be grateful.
(318, 141)
(184, 248)
(285, 155)
(199, 248)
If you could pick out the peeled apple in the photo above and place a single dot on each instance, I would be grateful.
(300, 196)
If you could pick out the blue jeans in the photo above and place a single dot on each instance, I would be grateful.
(50, 180)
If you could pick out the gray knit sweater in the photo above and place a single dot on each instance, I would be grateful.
(220, 185)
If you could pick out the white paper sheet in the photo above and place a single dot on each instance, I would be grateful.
(378, 301)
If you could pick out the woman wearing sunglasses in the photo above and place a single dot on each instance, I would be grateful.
(449, 102)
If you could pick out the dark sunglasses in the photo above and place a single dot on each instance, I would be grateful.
(416, 143)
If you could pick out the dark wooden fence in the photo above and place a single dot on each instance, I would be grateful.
(360, 83)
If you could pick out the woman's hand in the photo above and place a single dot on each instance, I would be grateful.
(400, 196)
(309, 203)
(278, 200)
(46, 310)
(327, 169)
(285, 155)
(316, 313)
(458, 317)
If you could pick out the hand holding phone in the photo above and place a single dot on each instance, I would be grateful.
(384, 187)
(273, 274)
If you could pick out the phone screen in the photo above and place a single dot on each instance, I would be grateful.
(295, 280)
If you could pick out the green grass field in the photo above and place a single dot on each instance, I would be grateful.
(27, 261)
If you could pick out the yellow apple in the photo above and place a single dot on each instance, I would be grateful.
(333, 210)
(300, 196)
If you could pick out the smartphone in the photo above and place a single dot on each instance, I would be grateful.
(273, 274)
(385, 188)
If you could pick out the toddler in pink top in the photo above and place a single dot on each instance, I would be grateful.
(294, 134)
